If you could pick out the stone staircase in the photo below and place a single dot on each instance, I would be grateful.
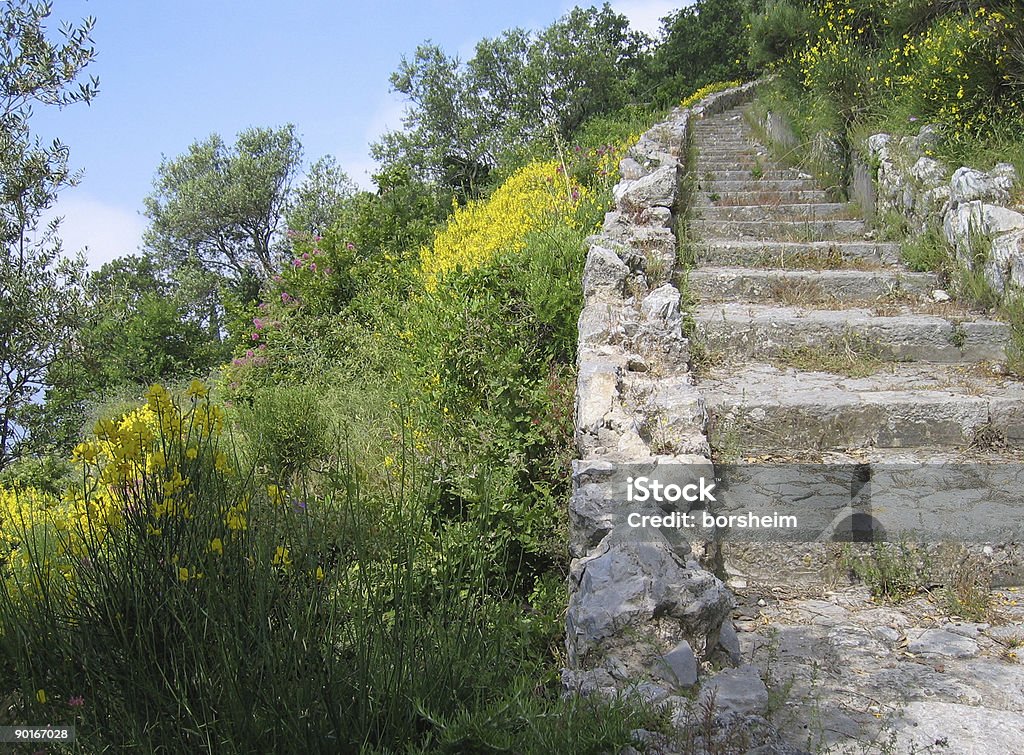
(816, 346)
(789, 285)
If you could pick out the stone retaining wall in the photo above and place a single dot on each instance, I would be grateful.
(642, 611)
(971, 207)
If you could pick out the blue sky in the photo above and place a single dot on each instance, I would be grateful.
(174, 72)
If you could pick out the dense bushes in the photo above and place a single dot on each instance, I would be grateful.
(853, 66)
(360, 544)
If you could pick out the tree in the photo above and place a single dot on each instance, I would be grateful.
(518, 88)
(223, 206)
(320, 199)
(39, 290)
(137, 325)
(704, 43)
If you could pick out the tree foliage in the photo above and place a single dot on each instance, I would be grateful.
(703, 43)
(318, 201)
(222, 205)
(518, 88)
(38, 288)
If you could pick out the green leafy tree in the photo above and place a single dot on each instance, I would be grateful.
(223, 206)
(138, 325)
(319, 201)
(39, 289)
(703, 43)
(518, 89)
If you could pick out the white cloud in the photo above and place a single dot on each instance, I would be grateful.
(103, 231)
(646, 15)
(387, 116)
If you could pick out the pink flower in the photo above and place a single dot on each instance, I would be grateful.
(312, 266)
(286, 297)
(76, 702)
(257, 323)
(305, 255)
(255, 336)
(350, 246)
(297, 262)
(249, 353)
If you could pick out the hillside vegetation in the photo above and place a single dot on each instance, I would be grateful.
(298, 482)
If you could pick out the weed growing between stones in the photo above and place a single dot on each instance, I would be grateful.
(968, 585)
(724, 434)
(1013, 311)
(926, 252)
(892, 571)
(852, 356)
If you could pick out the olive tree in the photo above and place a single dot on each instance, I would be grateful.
(224, 205)
(39, 288)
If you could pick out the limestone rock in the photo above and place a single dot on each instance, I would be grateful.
(928, 172)
(626, 583)
(604, 271)
(969, 185)
(657, 189)
(729, 641)
(680, 665)
(660, 308)
(939, 642)
(736, 691)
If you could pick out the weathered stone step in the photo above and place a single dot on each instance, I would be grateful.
(782, 230)
(751, 185)
(812, 255)
(760, 407)
(764, 198)
(724, 166)
(745, 284)
(727, 157)
(794, 211)
(768, 174)
(764, 331)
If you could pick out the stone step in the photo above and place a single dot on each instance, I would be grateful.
(758, 331)
(750, 185)
(782, 230)
(768, 174)
(794, 211)
(724, 150)
(704, 167)
(790, 255)
(745, 284)
(758, 407)
(764, 198)
(748, 153)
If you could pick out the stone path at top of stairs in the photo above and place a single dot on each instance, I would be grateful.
(817, 345)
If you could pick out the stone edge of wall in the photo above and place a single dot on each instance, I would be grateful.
(970, 207)
(643, 613)
(896, 175)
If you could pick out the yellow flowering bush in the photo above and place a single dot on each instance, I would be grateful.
(958, 72)
(532, 198)
(956, 67)
(704, 91)
(143, 469)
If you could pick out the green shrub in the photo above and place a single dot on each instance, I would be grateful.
(286, 429)
(778, 33)
(926, 252)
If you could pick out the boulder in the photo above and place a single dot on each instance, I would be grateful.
(604, 272)
(969, 185)
(657, 189)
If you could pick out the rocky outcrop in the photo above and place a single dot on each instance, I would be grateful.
(971, 207)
